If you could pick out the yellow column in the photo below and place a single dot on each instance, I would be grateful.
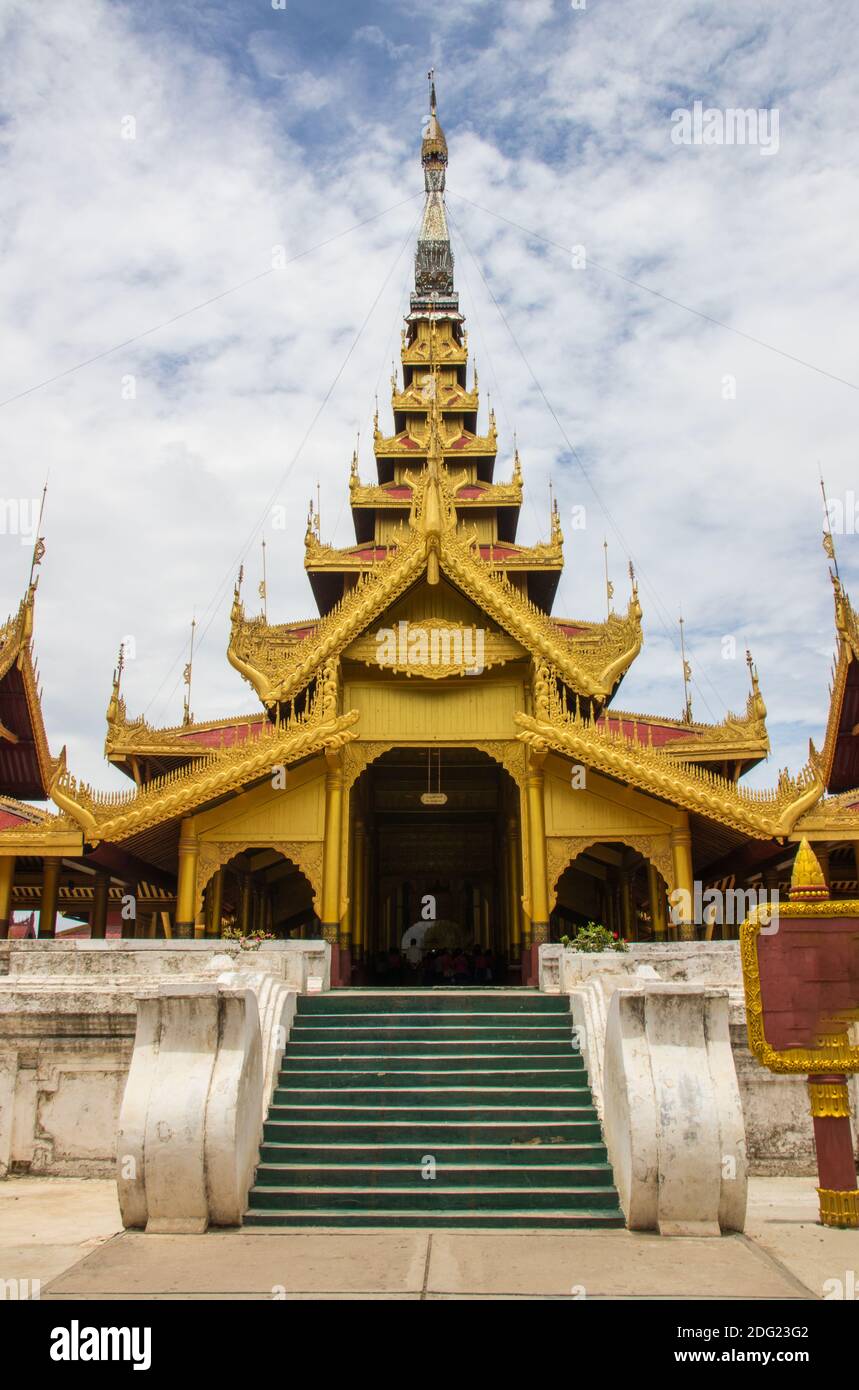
(537, 847)
(100, 896)
(215, 903)
(50, 897)
(332, 847)
(681, 850)
(7, 881)
(657, 902)
(186, 892)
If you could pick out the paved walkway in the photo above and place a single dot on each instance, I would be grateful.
(66, 1233)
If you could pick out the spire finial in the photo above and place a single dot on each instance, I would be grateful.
(609, 587)
(39, 546)
(431, 80)
(687, 675)
(187, 716)
(828, 543)
(807, 880)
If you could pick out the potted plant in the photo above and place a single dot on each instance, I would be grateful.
(594, 937)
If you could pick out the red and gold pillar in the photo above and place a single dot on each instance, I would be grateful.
(7, 882)
(836, 1163)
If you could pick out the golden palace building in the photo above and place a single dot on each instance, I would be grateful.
(435, 747)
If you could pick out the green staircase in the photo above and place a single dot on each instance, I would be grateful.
(483, 1087)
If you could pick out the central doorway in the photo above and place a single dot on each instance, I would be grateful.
(433, 901)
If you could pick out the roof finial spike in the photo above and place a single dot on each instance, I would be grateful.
(39, 545)
(431, 80)
(609, 587)
(687, 675)
(187, 716)
(828, 543)
(263, 586)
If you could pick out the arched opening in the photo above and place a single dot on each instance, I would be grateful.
(615, 885)
(433, 845)
(260, 889)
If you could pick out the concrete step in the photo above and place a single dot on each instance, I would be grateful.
(346, 1173)
(396, 1153)
(582, 1218)
(518, 1085)
(461, 1063)
(346, 1127)
(428, 1196)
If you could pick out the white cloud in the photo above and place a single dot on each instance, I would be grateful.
(564, 130)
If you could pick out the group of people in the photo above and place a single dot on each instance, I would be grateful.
(473, 965)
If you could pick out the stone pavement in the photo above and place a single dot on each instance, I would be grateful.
(66, 1233)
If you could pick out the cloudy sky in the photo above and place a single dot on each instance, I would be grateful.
(684, 384)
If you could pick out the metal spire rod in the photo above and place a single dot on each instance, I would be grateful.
(609, 587)
(687, 676)
(828, 543)
(263, 588)
(187, 716)
(39, 545)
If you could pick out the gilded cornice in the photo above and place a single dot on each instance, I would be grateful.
(591, 663)
(116, 815)
(277, 671)
(847, 632)
(475, 444)
(138, 736)
(15, 648)
(437, 349)
(837, 816)
(16, 632)
(451, 398)
(765, 814)
(491, 495)
(737, 734)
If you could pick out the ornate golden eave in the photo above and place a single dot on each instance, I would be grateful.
(592, 663)
(382, 495)
(113, 816)
(395, 446)
(737, 737)
(764, 814)
(847, 636)
(16, 662)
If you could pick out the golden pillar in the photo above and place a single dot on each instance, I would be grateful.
(215, 903)
(100, 898)
(50, 896)
(332, 847)
(7, 882)
(681, 850)
(537, 847)
(656, 894)
(186, 891)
